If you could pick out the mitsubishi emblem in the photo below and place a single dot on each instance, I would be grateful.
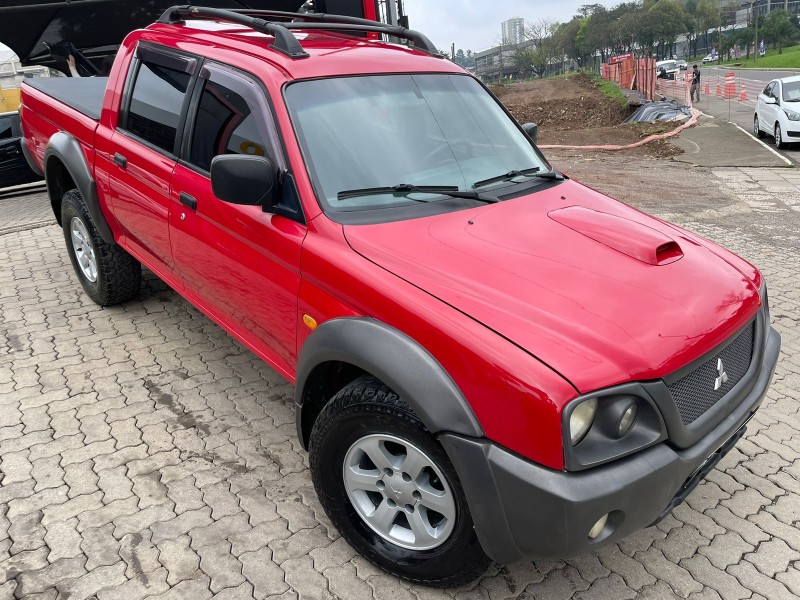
(723, 376)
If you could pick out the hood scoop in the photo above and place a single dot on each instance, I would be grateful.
(638, 241)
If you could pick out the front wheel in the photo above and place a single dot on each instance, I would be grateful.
(779, 143)
(390, 489)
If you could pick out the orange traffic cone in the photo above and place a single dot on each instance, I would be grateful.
(743, 95)
(719, 89)
(708, 89)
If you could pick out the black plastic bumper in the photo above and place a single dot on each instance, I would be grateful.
(522, 510)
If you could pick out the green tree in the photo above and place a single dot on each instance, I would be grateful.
(566, 40)
(541, 51)
(707, 16)
(779, 28)
(669, 19)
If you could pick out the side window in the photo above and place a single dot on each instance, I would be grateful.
(225, 124)
(769, 89)
(5, 128)
(156, 101)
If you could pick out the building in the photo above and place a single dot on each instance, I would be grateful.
(513, 31)
(765, 7)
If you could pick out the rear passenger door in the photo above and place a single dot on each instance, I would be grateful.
(145, 146)
(239, 262)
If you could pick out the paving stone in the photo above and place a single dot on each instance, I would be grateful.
(196, 589)
(726, 585)
(47, 473)
(340, 552)
(139, 586)
(256, 504)
(260, 536)
(36, 502)
(773, 557)
(80, 478)
(185, 495)
(142, 519)
(681, 542)
(150, 490)
(35, 582)
(224, 570)
(219, 530)
(15, 466)
(259, 569)
(632, 572)
(72, 508)
(749, 532)
(726, 550)
(747, 502)
(345, 583)
(791, 579)
(93, 582)
(27, 532)
(562, 583)
(182, 524)
(679, 579)
(63, 540)
(179, 559)
(242, 592)
(100, 546)
(139, 553)
(107, 514)
(115, 484)
(751, 579)
(608, 587)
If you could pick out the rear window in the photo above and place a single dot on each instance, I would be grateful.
(156, 103)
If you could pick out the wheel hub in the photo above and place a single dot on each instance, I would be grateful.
(84, 251)
(399, 492)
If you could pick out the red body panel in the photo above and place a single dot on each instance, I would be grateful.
(513, 303)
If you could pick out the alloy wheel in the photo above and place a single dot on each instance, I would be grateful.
(399, 492)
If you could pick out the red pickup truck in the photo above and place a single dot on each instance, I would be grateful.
(491, 360)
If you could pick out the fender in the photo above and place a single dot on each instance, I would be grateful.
(395, 359)
(68, 150)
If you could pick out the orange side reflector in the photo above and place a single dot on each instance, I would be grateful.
(310, 322)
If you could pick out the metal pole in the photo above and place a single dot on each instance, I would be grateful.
(756, 47)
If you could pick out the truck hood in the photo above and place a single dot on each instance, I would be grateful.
(597, 290)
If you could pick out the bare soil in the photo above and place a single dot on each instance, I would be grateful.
(573, 111)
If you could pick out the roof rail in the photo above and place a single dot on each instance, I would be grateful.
(285, 42)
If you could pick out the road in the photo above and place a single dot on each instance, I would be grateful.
(735, 110)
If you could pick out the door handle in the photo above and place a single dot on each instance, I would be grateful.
(188, 200)
(120, 160)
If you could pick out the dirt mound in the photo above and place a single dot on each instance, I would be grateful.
(562, 104)
(574, 111)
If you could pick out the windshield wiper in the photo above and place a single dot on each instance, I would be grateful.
(404, 189)
(532, 172)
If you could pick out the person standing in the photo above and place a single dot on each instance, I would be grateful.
(695, 89)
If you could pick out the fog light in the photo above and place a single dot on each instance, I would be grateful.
(598, 527)
(627, 420)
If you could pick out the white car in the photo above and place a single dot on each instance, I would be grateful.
(670, 66)
(709, 58)
(778, 111)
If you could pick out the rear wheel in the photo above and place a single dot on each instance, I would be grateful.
(390, 489)
(107, 273)
(757, 128)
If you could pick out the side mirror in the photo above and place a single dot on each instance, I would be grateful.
(243, 179)
(771, 100)
(532, 129)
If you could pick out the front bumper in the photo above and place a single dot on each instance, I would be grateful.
(522, 510)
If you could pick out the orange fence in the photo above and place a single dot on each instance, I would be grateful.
(633, 74)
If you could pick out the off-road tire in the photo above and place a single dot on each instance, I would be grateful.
(119, 275)
(367, 407)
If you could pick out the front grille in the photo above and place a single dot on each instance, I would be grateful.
(694, 393)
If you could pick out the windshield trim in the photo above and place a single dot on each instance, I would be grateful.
(402, 212)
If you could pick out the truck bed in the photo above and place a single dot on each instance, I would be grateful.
(84, 94)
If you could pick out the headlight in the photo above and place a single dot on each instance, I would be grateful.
(581, 420)
(791, 115)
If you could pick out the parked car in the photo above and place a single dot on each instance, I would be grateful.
(682, 65)
(491, 360)
(778, 111)
(671, 68)
(709, 58)
(14, 169)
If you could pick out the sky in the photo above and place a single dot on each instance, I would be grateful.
(475, 24)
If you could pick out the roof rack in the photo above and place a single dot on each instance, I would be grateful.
(285, 42)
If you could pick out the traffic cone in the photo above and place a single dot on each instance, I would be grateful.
(708, 89)
(743, 95)
(719, 89)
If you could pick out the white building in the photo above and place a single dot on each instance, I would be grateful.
(513, 31)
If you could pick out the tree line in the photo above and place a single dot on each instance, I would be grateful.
(646, 28)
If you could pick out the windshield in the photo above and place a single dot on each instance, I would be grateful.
(791, 91)
(668, 66)
(382, 131)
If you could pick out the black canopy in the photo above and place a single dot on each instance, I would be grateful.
(31, 27)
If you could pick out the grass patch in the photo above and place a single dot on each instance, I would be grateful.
(790, 59)
(610, 89)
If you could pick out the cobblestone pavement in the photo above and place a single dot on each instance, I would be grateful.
(145, 453)
(24, 207)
